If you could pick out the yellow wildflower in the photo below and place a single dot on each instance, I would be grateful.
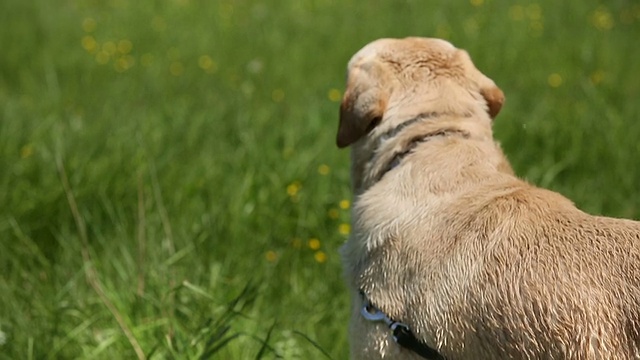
(516, 12)
(90, 44)
(287, 152)
(335, 95)
(314, 244)
(534, 12)
(176, 68)
(271, 256)
(109, 48)
(597, 77)
(125, 46)
(102, 57)
(554, 80)
(294, 188)
(320, 256)
(602, 19)
(324, 169)
(536, 27)
(344, 229)
(26, 151)
(124, 63)
(333, 213)
(443, 31)
(89, 25)
(344, 204)
(207, 64)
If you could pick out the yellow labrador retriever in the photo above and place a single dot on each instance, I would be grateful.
(452, 256)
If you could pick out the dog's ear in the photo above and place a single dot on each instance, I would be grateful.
(364, 102)
(493, 96)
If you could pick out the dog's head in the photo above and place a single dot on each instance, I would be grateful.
(390, 80)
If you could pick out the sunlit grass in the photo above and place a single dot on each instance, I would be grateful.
(198, 144)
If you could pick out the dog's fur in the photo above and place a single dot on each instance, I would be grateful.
(479, 264)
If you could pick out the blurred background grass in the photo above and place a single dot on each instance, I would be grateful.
(169, 182)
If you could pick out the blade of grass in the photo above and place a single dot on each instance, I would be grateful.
(141, 236)
(219, 344)
(316, 345)
(265, 343)
(90, 271)
(166, 225)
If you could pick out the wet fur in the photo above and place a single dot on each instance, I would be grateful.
(480, 264)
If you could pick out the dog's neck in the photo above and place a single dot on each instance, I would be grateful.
(387, 148)
(414, 142)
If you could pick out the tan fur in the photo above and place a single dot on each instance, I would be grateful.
(480, 264)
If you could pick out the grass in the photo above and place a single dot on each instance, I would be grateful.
(170, 186)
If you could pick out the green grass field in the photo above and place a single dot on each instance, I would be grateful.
(169, 183)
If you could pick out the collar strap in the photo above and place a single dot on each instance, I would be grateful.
(422, 116)
(399, 156)
(402, 334)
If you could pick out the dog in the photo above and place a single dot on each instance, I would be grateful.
(453, 256)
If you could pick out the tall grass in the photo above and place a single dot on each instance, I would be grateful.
(169, 182)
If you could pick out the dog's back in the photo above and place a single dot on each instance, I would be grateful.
(553, 282)
(505, 270)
